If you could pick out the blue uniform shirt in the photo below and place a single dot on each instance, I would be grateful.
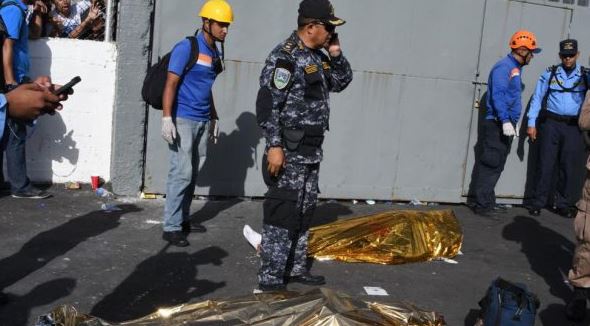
(18, 30)
(562, 103)
(193, 99)
(504, 91)
(3, 113)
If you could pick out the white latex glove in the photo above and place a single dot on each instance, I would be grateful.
(168, 130)
(508, 129)
(213, 130)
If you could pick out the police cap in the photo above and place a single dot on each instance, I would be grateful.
(321, 10)
(568, 47)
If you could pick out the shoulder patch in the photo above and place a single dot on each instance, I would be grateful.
(514, 73)
(282, 75)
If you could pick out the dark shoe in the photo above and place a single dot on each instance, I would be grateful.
(575, 310)
(272, 287)
(188, 227)
(175, 238)
(32, 194)
(565, 212)
(534, 211)
(308, 279)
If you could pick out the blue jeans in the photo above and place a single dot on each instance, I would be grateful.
(14, 145)
(186, 153)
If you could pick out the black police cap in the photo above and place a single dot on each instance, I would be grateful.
(321, 10)
(568, 47)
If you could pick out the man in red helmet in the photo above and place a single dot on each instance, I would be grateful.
(503, 112)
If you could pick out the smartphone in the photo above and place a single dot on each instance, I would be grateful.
(334, 38)
(67, 88)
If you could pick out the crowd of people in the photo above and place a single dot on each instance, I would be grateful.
(77, 19)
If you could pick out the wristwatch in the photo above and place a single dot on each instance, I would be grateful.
(10, 87)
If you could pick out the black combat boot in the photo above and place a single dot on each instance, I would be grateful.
(576, 308)
(308, 279)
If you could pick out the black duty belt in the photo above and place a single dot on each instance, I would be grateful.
(568, 119)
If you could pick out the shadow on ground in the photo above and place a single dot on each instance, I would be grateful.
(165, 279)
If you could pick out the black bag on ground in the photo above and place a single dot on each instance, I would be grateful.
(152, 91)
(508, 304)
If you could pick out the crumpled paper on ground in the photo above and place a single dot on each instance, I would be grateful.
(393, 237)
(318, 307)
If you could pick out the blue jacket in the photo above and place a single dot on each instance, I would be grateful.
(504, 91)
(562, 103)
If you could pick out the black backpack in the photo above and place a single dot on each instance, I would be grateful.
(152, 91)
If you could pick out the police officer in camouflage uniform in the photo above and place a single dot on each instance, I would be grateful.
(292, 109)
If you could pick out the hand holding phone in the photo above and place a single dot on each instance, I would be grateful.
(334, 46)
(68, 88)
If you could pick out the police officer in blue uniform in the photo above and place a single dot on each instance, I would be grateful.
(503, 112)
(554, 111)
(293, 111)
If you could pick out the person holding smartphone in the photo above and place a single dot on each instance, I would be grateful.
(293, 110)
(16, 63)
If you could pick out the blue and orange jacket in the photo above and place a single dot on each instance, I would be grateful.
(504, 91)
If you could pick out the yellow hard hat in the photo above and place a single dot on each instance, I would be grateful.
(218, 10)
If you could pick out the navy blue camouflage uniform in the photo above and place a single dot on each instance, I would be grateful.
(293, 110)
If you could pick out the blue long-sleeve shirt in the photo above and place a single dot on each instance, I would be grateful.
(3, 112)
(504, 91)
(562, 103)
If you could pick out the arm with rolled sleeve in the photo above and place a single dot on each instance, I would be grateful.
(537, 99)
(341, 74)
(271, 100)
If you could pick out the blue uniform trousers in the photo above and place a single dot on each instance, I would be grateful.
(288, 208)
(493, 150)
(560, 143)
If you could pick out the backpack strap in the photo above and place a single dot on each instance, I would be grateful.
(193, 55)
(564, 89)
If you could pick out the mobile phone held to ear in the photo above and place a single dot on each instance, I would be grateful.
(67, 88)
(334, 38)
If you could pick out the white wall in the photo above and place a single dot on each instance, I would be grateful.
(75, 143)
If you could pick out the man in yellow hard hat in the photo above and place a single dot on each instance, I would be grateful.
(189, 114)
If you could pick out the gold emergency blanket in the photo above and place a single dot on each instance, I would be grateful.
(393, 237)
(319, 307)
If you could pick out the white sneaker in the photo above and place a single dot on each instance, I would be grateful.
(254, 238)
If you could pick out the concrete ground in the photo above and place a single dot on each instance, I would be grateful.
(65, 250)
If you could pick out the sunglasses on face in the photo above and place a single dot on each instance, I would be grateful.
(328, 27)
